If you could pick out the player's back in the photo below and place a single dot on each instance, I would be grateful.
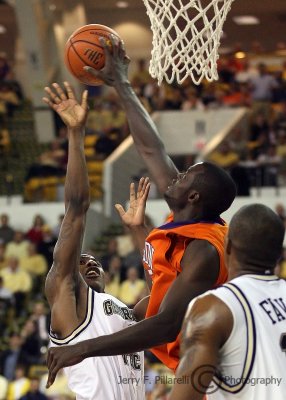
(253, 360)
(114, 377)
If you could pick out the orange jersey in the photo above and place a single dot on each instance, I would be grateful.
(164, 249)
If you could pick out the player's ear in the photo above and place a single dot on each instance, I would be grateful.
(193, 196)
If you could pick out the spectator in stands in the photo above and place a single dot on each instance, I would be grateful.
(34, 393)
(270, 163)
(35, 264)
(6, 231)
(46, 247)
(3, 260)
(50, 163)
(5, 294)
(4, 67)
(20, 385)
(3, 388)
(11, 357)
(42, 321)
(224, 157)
(17, 281)
(112, 250)
(18, 247)
(131, 288)
(106, 143)
(9, 100)
(262, 87)
(35, 233)
(31, 343)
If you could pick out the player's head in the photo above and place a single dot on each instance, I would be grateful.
(255, 240)
(92, 272)
(205, 188)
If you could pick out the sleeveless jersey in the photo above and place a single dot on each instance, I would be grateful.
(164, 249)
(253, 359)
(113, 377)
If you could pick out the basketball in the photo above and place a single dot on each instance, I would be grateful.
(84, 48)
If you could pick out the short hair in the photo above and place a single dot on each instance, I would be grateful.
(216, 187)
(257, 234)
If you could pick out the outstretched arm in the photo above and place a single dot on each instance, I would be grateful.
(200, 268)
(143, 130)
(207, 326)
(63, 281)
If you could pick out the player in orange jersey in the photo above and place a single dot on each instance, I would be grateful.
(183, 258)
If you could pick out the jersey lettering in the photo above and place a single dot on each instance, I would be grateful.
(111, 308)
(275, 309)
(148, 256)
(133, 360)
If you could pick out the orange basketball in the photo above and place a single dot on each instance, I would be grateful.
(83, 48)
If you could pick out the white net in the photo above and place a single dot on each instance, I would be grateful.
(186, 38)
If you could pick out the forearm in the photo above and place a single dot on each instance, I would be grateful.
(77, 183)
(143, 129)
(146, 334)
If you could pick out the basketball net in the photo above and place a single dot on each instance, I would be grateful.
(186, 38)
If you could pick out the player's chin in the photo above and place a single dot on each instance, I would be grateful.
(95, 284)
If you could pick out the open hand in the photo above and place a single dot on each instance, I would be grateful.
(134, 216)
(59, 357)
(116, 65)
(66, 105)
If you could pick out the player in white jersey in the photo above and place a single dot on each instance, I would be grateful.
(75, 283)
(234, 344)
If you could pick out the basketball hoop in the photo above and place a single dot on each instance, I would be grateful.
(186, 38)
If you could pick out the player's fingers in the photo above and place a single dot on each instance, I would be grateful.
(84, 100)
(144, 185)
(59, 91)
(126, 59)
(52, 95)
(92, 71)
(119, 209)
(107, 46)
(115, 45)
(48, 102)
(140, 186)
(132, 196)
(69, 89)
(121, 49)
(146, 191)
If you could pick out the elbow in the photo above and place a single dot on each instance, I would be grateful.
(80, 204)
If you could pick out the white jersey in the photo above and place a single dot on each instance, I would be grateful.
(104, 378)
(253, 359)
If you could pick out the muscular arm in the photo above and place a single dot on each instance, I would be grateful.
(63, 280)
(143, 130)
(207, 326)
(200, 268)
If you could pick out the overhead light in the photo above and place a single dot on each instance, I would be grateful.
(240, 54)
(246, 20)
(3, 29)
(52, 7)
(122, 4)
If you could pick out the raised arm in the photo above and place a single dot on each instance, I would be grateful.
(63, 282)
(200, 269)
(207, 326)
(143, 130)
(134, 216)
